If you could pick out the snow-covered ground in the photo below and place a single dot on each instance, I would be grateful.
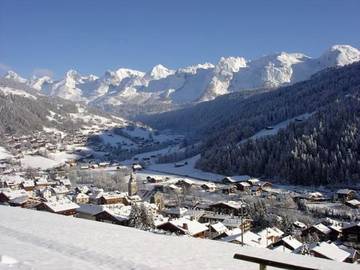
(4, 153)
(38, 240)
(187, 170)
(275, 129)
(33, 161)
(44, 163)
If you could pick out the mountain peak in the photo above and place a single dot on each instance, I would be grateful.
(230, 64)
(340, 55)
(159, 72)
(12, 75)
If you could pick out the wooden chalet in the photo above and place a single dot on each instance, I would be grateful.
(62, 207)
(345, 194)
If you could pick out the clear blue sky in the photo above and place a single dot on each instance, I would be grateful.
(40, 36)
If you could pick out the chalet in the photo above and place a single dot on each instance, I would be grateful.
(351, 233)
(88, 211)
(59, 191)
(104, 164)
(229, 207)
(253, 181)
(154, 179)
(41, 182)
(229, 189)
(354, 203)
(243, 186)
(354, 254)
(315, 196)
(20, 201)
(322, 231)
(180, 164)
(244, 224)
(9, 196)
(185, 226)
(345, 194)
(137, 167)
(264, 185)
(235, 179)
(329, 251)
(81, 198)
(111, 198)
(63, 207)
(299, 225)
(208, 186)
(28, 185)
(287, 243)
(174, 212)
(271, 235)
(247, 238)
(65, 182)
(216, 229)
(111, 217)
(185, 183)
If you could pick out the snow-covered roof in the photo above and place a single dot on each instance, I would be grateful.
(292, 241)
(231, 204)
(193, 227)
(344, 191)
(89, 209)
(28, 183)
(322, 228)
(61, 205)
(271, 232)
(249, 238)
(12, 194)
(331, 251)
(354, 202)
(282, 249)
(299, 224)
(219, 227)
(237, 178)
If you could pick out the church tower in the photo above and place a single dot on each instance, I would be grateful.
(132, 186)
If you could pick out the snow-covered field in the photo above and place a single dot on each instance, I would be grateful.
(38, 240)
(275, 129)
(187, 170)
(54, 160)
(4, 153)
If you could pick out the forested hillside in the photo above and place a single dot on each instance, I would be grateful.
(323, 149)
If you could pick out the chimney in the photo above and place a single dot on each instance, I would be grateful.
(185, 226)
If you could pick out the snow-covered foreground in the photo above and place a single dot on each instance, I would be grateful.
(38, 240)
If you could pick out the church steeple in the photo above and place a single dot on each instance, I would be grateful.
(132, 185)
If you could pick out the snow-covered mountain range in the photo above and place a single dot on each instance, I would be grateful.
(162, 86)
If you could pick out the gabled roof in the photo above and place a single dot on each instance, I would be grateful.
(61, 205)
(218, 227)
(231, 204)
(236, 179)
(322, 228)
(344, 191)
(193, 227)
(331, 251)
(249, 238)
(291, 241)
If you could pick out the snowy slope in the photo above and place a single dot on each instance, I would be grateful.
(37, 240)
(163, 88)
